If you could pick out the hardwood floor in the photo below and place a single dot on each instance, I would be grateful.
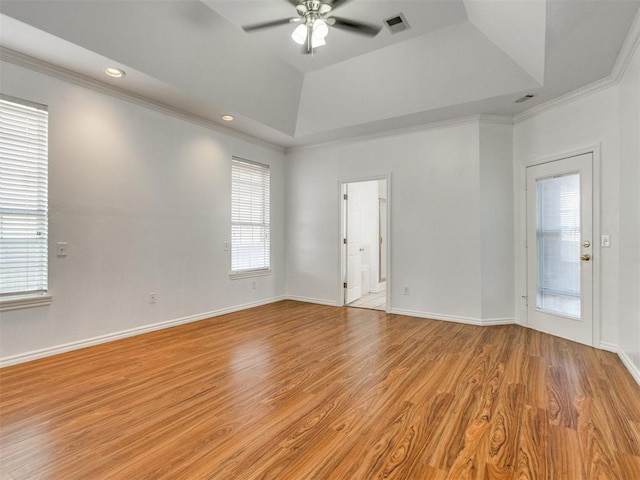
(294, 391)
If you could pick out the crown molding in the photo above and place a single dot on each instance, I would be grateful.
(46, 68)
(423, 127)
(493, 119)
(629, 48)
(627, 51)
(565, 99)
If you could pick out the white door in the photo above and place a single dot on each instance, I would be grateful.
(560, 248)
(354, 260)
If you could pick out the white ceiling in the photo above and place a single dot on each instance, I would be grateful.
(460, 57)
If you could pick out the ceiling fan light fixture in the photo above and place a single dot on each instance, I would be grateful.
(299, 35)
(317, 41)
(320, 28)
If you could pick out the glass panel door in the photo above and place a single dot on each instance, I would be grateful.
(559, 248)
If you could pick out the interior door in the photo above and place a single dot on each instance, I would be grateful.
(560, 248)
(354, 259)
(382, 246)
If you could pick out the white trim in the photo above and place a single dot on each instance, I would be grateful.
(609, 347)
(561, 156)
(250, 273)
(319, 301)
(565, 99)
(40, 66)
(634, 370)
(631, 44)
(423, 127)
(67, 347)
(456, 319)
(627, 51)
(18, 302)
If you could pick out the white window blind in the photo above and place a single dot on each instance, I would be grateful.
(23, 198)
(250, 205)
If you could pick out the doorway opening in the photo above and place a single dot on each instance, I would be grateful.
(364, 237)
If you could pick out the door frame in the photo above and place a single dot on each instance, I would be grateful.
(342, 183)
(597, 249)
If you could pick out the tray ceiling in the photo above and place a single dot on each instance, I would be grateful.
(458, 58)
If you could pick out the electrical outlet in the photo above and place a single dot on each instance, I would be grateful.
(61, 249)
(253, 285)
(152, 298)
(407, 290)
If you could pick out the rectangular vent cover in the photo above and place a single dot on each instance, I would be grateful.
(397, 23)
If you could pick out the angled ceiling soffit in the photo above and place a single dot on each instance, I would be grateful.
(516, 27)
(448, 67)
(204, 54)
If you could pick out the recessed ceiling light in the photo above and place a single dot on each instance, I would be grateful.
(115, 72)
(227, 118)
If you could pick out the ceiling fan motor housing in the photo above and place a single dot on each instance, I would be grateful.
(312, 9)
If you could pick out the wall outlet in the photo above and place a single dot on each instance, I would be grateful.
(253, 285)
(61, 249)
(152, 298)
(407, 290)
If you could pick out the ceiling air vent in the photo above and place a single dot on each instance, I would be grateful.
(397, 24)
(529, 96)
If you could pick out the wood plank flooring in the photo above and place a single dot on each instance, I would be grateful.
(294, 391)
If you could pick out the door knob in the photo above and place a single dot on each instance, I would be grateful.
(586, 244)
(586, 257)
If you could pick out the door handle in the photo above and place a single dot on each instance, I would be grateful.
(586, 257)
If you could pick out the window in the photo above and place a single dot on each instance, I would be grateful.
(23, 198)
(250, 236)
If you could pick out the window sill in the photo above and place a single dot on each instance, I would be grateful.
(24, 301)
(249, 274)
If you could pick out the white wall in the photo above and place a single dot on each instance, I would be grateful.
(435, 230)
(496, 210)
(584, 123)
(629, 197)
(143, 199)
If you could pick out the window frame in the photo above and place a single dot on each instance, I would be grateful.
(264, 207)
(40, 296)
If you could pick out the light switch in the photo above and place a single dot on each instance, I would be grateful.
(61, 249)
(605, 241)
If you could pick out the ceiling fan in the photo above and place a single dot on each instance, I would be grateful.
(313, 23)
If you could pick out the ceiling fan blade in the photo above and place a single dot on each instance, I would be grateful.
(295, 3)
(354, 27)
(336, 3)
(274, 23)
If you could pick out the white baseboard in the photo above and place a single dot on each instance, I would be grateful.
(67, 347)
(609, 347)
(452, 318)
(634, 369)
(319, 301)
